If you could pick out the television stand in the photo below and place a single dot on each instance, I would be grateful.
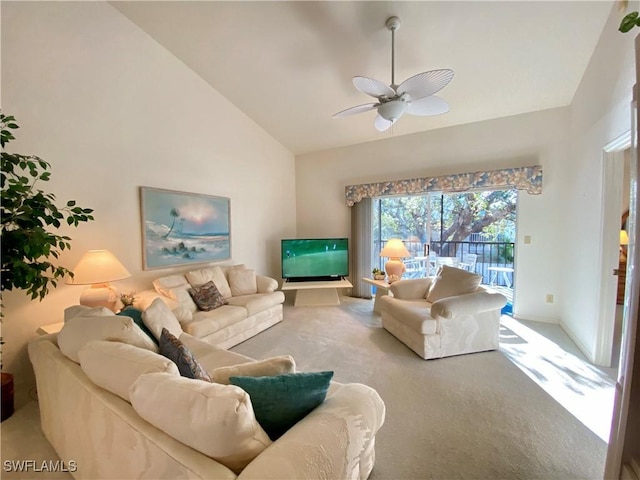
(316, 293)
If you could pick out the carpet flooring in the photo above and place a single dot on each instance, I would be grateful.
(468, 417)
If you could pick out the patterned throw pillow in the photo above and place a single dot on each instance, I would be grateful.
(207, 297)
(175, 350)
(281, 401)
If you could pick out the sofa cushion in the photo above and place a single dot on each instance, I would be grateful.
(175, 350)
(262, 368)
(114, 366)
(257, 302)
(80, 330)
(207, 297)
(279, 402)
(213, 274)
(413, 313)
(452, 281)
(206, 323)
(163, 285)
(158, 316)
(242, 281)
(216, 420)
(136, 315)
(181, 295)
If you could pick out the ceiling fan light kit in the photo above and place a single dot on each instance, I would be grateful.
(414, 96)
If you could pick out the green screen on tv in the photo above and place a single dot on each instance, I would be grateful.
(315, 258)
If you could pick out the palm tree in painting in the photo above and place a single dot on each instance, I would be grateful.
(175, 214)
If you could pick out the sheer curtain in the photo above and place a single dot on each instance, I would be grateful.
(360, 261)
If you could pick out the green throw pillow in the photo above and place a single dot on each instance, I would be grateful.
(136, 315)
(281, 401)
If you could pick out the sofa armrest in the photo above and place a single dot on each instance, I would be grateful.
(468, 304)
(266, 284)
(335, 440)
(411, 289)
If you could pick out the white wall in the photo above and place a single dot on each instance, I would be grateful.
(564, 222)
(533, 139)
(600, 112)
(111, 110)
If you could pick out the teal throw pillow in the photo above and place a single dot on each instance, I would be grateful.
(136, 315)
(279, 402)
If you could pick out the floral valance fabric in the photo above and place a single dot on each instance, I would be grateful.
(528, 179)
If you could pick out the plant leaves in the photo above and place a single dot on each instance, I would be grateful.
(628, 22)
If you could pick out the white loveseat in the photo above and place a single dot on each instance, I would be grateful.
(450, 314)
(253, 303)
(98, 431)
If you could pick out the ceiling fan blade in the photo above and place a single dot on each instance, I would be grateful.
(382, 124)
(425, 83)
(353, 110)
(372, 87)
(431, 105)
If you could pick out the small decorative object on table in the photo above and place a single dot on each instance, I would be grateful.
(127, 299)
(378, 274)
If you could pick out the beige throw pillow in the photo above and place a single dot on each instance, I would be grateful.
(158, 316)
(269, 367)
(210, 274)
(242, 281)
(452, 281)
(84, 311)
(115, 366)
(216, 420)
(163, 285)
(80, 330)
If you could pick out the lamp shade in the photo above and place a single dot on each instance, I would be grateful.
(395, 249)
(98, 266)
(624, 237)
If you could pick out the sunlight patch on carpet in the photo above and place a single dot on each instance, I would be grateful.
(585, 391)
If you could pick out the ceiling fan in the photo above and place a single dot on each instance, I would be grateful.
(414, 96)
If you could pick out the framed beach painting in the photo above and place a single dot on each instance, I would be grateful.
(181, 228)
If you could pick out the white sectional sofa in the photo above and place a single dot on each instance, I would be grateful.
(449, 314)
(103, 421)
(254, 304)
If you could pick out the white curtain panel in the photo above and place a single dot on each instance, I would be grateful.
(360, 259)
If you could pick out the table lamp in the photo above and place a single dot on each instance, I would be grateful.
(394, 250)
(97, 268)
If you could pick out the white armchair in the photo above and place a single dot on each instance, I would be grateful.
(451, 314)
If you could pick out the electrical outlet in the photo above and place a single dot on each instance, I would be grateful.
(527, 239)
(549, 298)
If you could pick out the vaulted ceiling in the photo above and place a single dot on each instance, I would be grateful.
(288, 65)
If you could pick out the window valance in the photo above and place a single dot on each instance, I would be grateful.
(528, 179)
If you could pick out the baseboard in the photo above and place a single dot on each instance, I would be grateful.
(578, 343)
(536, 318)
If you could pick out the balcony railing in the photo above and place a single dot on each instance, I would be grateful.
(490, 254)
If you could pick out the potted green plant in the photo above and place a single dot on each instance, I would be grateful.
(378, 274)
(29, 216)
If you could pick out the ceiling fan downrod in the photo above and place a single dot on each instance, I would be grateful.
(393, 23)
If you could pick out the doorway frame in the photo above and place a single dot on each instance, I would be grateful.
(612, 178)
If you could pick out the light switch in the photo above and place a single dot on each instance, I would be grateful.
(527, 239)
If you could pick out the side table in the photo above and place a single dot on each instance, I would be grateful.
(382, 289)
(51, 328)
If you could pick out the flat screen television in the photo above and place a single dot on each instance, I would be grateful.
(316, 259)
